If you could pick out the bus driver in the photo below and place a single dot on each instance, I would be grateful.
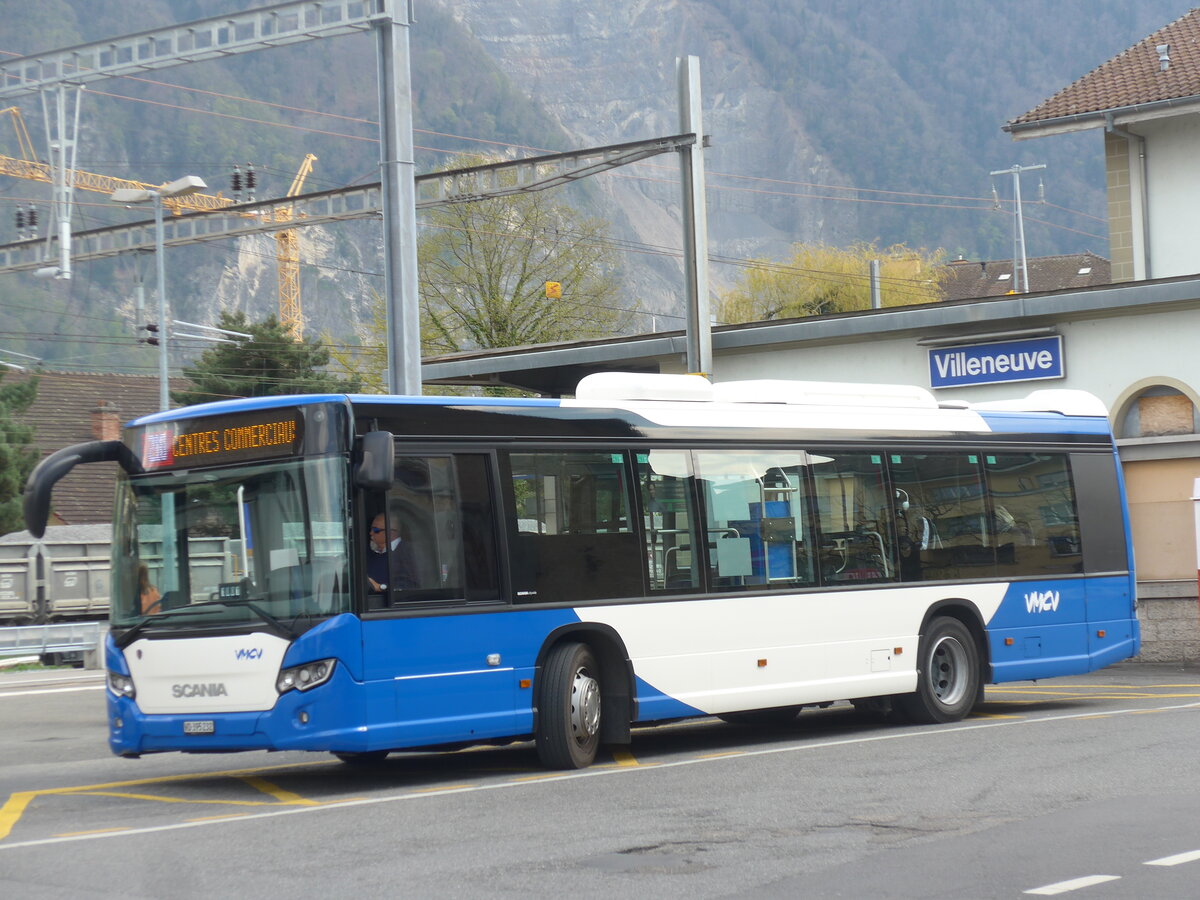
(389, 561)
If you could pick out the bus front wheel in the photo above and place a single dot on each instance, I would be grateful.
(947, 674)
(568, 732)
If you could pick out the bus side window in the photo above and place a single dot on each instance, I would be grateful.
(755, 518)
(570, 532)
(854, 513)
(439, 508)
(1034, 521)
(668, 520)
(940, 516)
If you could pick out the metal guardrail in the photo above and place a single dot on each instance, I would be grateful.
(36, 640)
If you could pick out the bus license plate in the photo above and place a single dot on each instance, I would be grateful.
(205, 726)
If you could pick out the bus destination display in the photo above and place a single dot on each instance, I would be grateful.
(222, 439)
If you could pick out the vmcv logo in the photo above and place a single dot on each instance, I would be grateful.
(1041, 602)
(251, 653)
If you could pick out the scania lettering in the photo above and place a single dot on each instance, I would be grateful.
(560, 570)
(199, 690)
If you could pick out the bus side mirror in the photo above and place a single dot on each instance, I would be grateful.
(375, 472)
(36, 503)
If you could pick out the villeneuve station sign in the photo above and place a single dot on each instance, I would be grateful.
(992, 363)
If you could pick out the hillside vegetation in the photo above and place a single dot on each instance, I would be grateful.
(839, 101)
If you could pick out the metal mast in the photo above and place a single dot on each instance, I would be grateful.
(1020, 275)
(695, 219)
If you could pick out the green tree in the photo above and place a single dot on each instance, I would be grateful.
(268, 363)
(17, 456)
(482, 269)
(820, 279)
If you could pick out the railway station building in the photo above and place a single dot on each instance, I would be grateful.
(1133, 342)
(1132, 345)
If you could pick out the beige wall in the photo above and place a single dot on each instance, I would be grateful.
(1160, 513)
(1120, 207)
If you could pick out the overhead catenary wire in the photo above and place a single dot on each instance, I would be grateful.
(981, 201)
(879, 196)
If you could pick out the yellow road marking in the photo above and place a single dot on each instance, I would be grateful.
(14, 807)
(218, 818)
(1047, 696)
(93, 831)
(720, 755)
(277, 792)
(442, 787)
(624, 758)
(994, 716)
(160, 799)
(12, 810)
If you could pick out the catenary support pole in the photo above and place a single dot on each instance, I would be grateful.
(695, 219)
(397, 173)
(164, 328)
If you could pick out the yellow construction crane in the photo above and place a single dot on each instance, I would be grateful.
(287, 253)
(28, 167)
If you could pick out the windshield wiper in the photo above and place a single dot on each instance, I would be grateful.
(128, 636)
(277, 626)
(205, 607)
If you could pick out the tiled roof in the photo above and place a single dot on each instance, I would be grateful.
(1132, 78)
(966, 279)
(62, 415)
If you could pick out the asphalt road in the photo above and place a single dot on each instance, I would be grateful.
(1082, 787)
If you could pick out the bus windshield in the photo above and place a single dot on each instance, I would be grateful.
(233, 546)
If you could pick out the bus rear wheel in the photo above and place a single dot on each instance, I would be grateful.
(947, 674)
(568, 732)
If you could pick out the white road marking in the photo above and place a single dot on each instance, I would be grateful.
(70, 690)
(596, 772)
(1064, 887)
(1177, 859)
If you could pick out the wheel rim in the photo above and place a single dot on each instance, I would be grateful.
(949, 677)
(585, 706)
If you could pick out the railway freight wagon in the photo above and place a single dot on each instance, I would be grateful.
(65, 576)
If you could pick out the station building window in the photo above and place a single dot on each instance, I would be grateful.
(1159, 411)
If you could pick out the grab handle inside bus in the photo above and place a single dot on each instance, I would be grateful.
(36, 503)
(375, 472)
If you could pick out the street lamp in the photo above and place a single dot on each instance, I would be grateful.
(181, 187)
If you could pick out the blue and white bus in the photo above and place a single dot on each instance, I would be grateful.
(657, 548)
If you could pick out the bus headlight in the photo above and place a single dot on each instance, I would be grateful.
(301, 678)
(121, 685)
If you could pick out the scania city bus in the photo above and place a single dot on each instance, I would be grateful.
(657, 548)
